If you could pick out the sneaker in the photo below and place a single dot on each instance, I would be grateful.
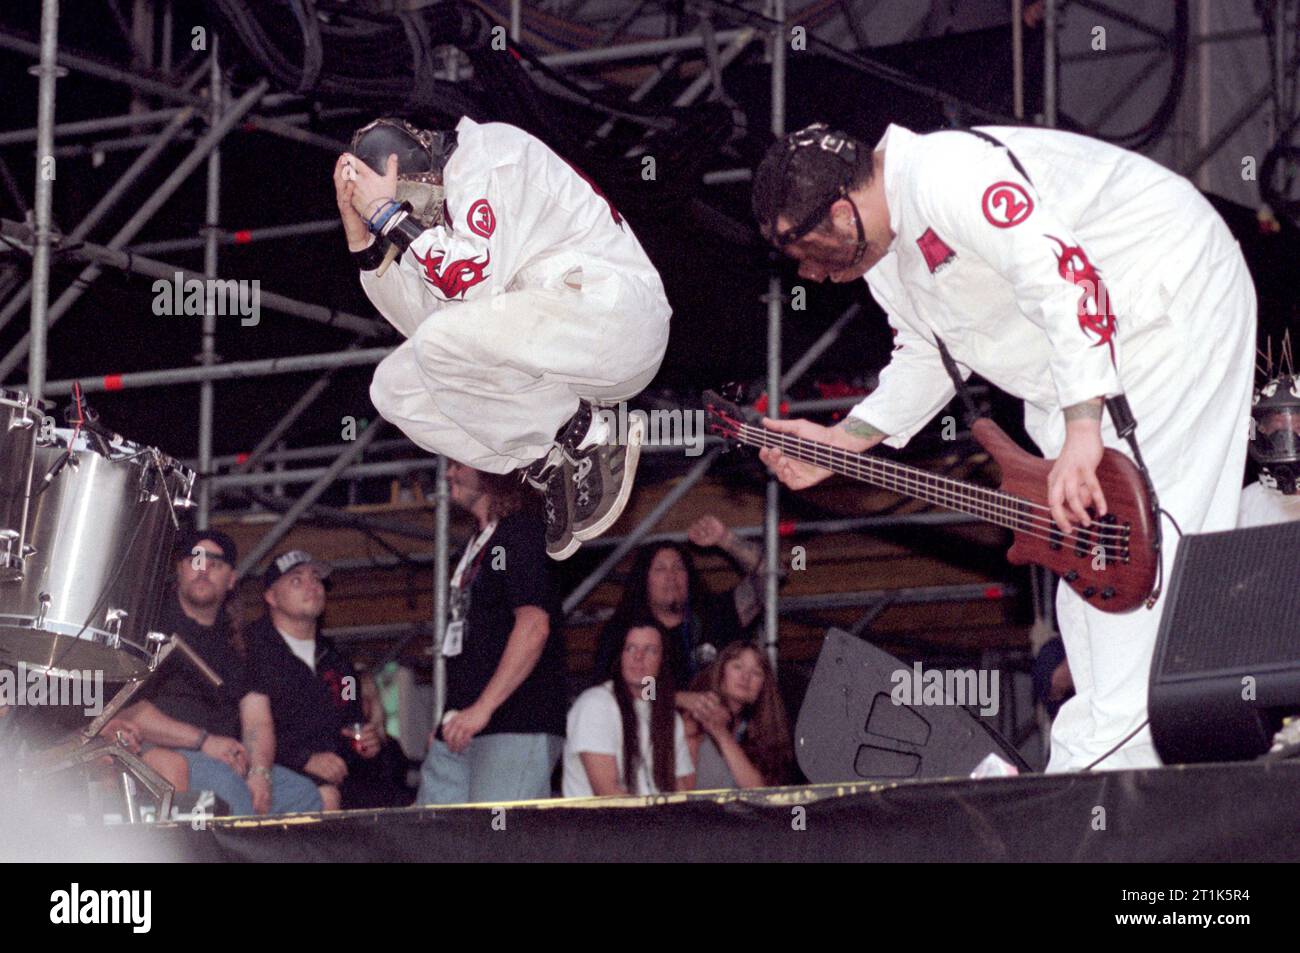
(602, 477)
(549, 476)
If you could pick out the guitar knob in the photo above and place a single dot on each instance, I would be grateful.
(1071, 575)
(1089, 591)
(1108, 592)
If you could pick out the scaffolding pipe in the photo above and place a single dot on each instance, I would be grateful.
(772, 508)
(358, 471)
(47, 73)
(244, 236)
(632, 51)
(640, 531)
(15, 136)
(310, 496)
(142, 216)
(119, 188)
(222, 372)
(208, 351)
(1049, 64)
(441, 589)
(106, 255)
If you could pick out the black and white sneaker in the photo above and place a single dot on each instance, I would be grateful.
(602, 476)
(550, 477)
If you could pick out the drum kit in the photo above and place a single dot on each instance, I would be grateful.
(87, 524)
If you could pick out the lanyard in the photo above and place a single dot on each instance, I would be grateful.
(470, 560)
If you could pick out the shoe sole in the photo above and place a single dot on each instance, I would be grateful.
(568, 550)
(636, 432)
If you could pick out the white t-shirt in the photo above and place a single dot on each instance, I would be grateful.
(305, 649)
(1261, 506)
(595, 726)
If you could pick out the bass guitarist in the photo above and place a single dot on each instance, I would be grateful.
(1065, 271)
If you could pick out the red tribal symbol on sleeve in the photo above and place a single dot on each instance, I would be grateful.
(457, 277)
(1096, 319)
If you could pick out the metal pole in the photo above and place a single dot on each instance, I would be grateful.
(208, 354)
(224, 372)
(441, 585)
(640, 531)
(126, 261)
(819, 346)
(243, 236)
(283, 477)
(47, 73)
(146, 211)
(1018, 59)
(15, 136)
(1049, 64)
(772, 508)
(110, 199)
(327, 452)
(304, 502)
(516, 20)
(631, 51)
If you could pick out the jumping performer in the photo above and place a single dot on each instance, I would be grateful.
(1065, 271)
(526, 301)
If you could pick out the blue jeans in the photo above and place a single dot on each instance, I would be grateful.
(291, 792)
(497, 767)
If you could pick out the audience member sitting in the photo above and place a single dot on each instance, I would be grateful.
(744, 742)
(313, 687)
(624, 735)
(192, 725)
(381, 780)
(665, 586)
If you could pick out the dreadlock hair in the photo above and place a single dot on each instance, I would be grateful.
(663, 760)
(793, 183)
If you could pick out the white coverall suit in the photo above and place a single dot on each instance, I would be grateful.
(533, 293)
(1009, 274)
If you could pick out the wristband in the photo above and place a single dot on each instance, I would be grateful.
(203, 736)
(377, 221)
(368, 258)
(404, 231)
(261, 771)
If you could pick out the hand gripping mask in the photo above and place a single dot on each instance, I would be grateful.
(421, 156)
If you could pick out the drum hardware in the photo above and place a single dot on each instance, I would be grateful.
(114, 619)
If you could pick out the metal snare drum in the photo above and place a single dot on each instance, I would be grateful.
(20, 423)
(101, 532)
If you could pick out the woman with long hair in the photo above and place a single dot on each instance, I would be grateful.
(624, 735)
(745, 744)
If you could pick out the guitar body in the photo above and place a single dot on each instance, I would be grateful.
(1112, 572)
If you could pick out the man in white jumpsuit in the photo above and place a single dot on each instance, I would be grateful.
(1064, 271)
(525, 299)
(1275, 447)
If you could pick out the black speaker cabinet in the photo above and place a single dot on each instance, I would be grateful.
(851, 729)
(1227, 657)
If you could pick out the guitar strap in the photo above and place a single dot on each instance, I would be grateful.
(1120, 414)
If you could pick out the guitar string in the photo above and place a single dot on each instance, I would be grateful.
(999, 507)
(995, 505)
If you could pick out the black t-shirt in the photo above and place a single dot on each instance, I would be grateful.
(499, 581)
(309, 708)
(178, 690)
(692, 644)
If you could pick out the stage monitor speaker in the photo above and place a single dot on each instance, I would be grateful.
(850, 728)
(1227, 659)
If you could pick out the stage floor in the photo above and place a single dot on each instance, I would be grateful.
(1224, 812)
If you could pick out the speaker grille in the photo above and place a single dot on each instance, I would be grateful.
(1234, 603)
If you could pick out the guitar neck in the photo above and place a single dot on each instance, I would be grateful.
(988, 504)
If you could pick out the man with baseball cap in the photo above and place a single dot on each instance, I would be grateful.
(313, 687)
(204, 737)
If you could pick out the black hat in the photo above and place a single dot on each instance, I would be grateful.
(191, 538)
(287, 562)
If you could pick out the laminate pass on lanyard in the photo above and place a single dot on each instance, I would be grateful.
(453, 639)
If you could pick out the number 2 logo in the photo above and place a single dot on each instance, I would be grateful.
(1006, 204)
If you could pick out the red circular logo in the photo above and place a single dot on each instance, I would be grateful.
(481, 219)
(1006, 204)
